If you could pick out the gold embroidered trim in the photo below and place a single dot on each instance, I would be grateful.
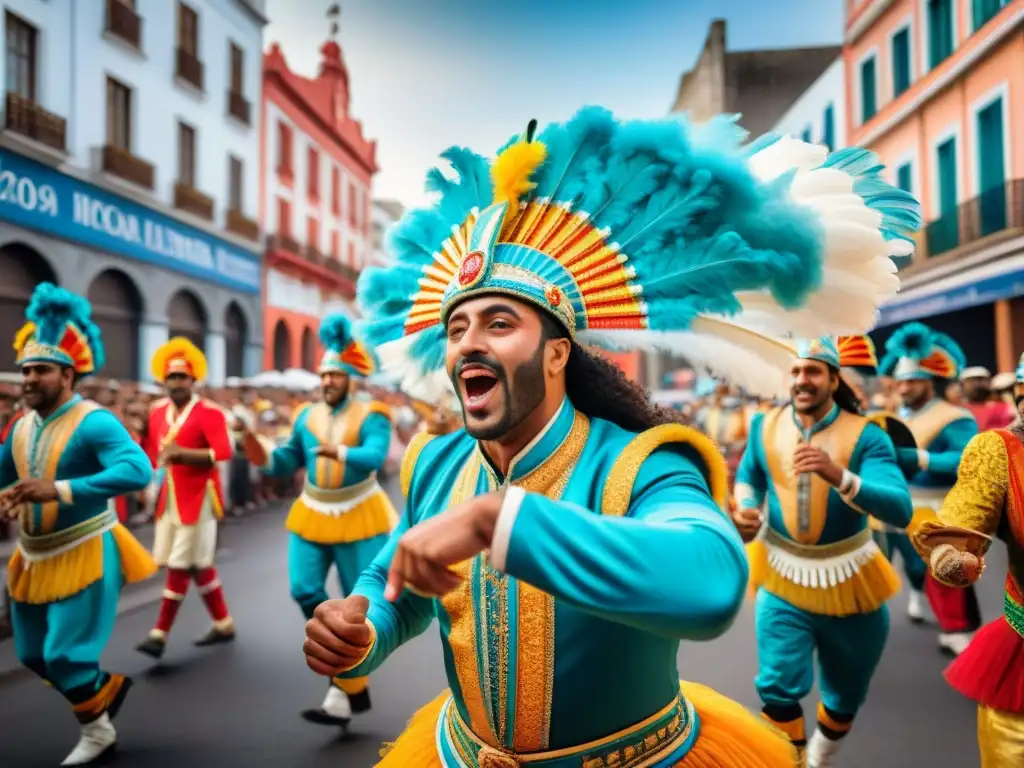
(818, 551)
(412, 453)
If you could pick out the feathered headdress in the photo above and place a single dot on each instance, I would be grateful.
(915, 351)
(179, 355)
(648, 235)
(60, 331)
(343, 353)
(856, 352)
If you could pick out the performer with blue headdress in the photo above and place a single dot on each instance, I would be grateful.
(343, 516)
(65, 459)
(917, 356)
(821, 468)
(572, 534)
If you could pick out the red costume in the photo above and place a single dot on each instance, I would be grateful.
(992, 414)
(189, 500)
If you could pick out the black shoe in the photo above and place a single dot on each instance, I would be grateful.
(152, 646)
(320, 717)
(215, 637)
(360, 701)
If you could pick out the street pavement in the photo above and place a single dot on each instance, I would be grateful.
(239, 705)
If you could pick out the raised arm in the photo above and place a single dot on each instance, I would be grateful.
(640, 569)
(290, 457)
(879, 488)
(374, 441)
(124, 465)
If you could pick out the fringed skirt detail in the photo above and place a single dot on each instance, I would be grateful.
(370, 517)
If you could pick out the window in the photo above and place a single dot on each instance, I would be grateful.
(21, 57)
(351, 254)
(188, 30)
(284, 217)
(312, 232)
(868, 92)
(236, 177)
(983, 10)
(352, 204)
(940, 31)
(284, 149)
(119, 115)
(335, 244)
(946, 160)
(335, 191)
(313, 174)
(900, 62)
(186, 155)
(806, 135)
(904, 178)
(237, 69)
(828, 134)
(991, 167)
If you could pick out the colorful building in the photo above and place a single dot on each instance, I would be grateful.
(315, 201)
(936, 88)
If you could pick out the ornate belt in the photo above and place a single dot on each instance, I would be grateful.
(640, 745)
(52, 543)
(1012, 606)
(346, 493)
(818, 551)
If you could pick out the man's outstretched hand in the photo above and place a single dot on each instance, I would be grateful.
(338, 636)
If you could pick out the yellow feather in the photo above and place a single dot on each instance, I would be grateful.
(21, 339)
(512, 170)
(178, 347)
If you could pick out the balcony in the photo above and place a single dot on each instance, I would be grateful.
(191, 200)
(992, 216)
(285, 251)
(238, 107)
(189, 68)
(122, 163)
(28, 119)
(314, 256)
(283, 242)
(124, 24)
(238, 224)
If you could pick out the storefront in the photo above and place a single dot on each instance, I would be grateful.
(148, 276)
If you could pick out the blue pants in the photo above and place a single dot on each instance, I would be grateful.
(914, 566)
(309, 563)
(62, 642)
(849, 649)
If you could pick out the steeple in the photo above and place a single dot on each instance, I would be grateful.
(332, 68)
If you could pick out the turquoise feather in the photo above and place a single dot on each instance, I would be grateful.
(52, 308)
(917, 341)
(336, 332)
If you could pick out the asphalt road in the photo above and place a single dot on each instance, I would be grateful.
(239, 705)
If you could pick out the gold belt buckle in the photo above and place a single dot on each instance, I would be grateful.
(490, 757)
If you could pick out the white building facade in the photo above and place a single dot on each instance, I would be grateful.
(134, 126)
(818, 116)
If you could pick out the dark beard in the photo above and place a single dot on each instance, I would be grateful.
(523, 397)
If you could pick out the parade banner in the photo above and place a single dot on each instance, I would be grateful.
(38, 197)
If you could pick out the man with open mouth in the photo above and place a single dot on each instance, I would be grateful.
(573, 534)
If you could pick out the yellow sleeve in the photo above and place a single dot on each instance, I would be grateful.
(412, 453)
(977, 500)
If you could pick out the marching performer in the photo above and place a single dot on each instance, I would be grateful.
(988, 501)
(726, 420)
(66, 458)
(823, 583)
(187, 438)
(343, 516)
(915, 357)
(593, 234)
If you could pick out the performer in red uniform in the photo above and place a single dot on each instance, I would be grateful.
(187, 437)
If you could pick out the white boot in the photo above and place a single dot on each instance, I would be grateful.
(336, 704)
(915, 608)
(955, 642)
(97, 738)
(821, 751)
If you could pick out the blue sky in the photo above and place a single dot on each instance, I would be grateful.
(426, 74)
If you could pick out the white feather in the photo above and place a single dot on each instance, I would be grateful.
(396, 362)
(784, 155)
(758, 364)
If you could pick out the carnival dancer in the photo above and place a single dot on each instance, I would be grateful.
(821, 468)
(66, 458)
(915, 357)
(595, 233)
(987, 502)
(343, 516)
(187, 438)
(726, 420)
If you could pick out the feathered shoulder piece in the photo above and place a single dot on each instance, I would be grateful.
(60, 330)
(647, 235)
(344, 354)
(917, 351)
(179, 355)
(858, 352)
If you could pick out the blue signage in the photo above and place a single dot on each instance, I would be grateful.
(38, 197)
(985, 291)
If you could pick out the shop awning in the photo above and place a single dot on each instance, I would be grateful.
(984, 284)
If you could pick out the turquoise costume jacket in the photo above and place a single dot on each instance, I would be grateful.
(578, 638)
(82, 444)
(856, 445)
(942, 431)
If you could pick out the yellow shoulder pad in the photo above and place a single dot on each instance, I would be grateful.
(299, 411)
(412, 453)
(375, 406)
(618, 488)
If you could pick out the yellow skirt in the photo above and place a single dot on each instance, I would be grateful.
(1000, 738)
(730, 737)
(67, 574)
(369, 518)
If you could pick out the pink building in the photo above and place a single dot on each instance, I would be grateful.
(936, 88)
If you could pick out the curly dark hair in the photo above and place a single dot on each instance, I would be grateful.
(599, 389)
